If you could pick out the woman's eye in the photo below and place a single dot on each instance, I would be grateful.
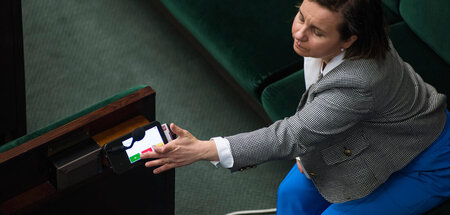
(300, 18)
(317, 32)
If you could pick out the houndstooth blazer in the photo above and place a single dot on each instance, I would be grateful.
(360, 123)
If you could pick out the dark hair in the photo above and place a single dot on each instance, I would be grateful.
(363, 18)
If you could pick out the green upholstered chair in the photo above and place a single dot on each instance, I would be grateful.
(250, 43)
(422, 39)
(280, 99)
(250, 40)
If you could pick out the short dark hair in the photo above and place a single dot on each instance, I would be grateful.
(363, 18)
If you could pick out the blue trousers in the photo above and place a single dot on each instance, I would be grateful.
(421, 185)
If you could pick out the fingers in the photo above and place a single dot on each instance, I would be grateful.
(164, 163)
(165, 148)
(154, 154)
(159, 151)
(162, 155)
(164, 168)
(158, 162)
(177, 130)
(148, 155)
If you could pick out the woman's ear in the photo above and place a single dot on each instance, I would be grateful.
(349, 42)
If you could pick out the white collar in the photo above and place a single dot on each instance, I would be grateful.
(313, 67)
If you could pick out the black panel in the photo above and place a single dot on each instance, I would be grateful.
(12, 80)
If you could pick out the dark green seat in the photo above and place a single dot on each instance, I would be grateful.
(250, 39)
(423, 40)
(421, 57)
(280, 99)
(430, 21)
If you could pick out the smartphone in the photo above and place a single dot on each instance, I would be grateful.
(125, 152)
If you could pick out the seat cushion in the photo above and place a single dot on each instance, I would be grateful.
(68, 119)
(250, 39)
(280, 99)
(430, 21)
(421, 57)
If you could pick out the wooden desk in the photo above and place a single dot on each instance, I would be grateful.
(27, 183)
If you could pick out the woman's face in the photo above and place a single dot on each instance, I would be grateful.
(315, 32)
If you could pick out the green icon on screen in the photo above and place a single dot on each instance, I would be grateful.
(135, 157)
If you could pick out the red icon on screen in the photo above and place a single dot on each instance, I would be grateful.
(147, 150)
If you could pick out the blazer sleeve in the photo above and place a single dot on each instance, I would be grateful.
(325, 114)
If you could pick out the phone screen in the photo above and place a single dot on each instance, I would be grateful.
(152, 138)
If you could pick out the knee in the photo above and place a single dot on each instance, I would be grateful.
(297, 194)
(286, 189)
(293, 185)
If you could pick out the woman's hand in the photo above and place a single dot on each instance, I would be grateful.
(184, 150)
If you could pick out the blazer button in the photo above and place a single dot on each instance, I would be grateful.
(347, 152)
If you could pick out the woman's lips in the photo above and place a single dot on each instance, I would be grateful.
(297, 45)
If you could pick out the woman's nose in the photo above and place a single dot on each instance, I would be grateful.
(300, 34)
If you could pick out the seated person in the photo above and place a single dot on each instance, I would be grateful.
(371, 136)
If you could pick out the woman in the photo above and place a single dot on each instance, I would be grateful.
(370, 134)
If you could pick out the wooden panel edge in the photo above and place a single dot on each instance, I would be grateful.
(76, 124)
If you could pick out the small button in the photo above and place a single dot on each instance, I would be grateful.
(347, 152)
(312, 173)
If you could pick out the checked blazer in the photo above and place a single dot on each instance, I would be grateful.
(361, 122)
